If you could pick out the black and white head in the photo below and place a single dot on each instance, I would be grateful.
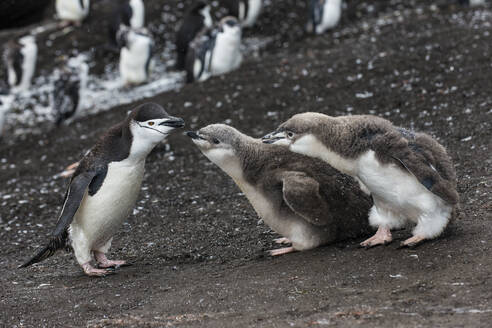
(301, 133)
(220, 143)
(229, 26)
(150, 124)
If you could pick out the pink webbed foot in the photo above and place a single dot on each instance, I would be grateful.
(282, 240)
(281, 251)
(104, 262)
(93, 272)
(382, 237)
(412, 241)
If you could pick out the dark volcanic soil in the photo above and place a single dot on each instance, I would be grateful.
(197, 247)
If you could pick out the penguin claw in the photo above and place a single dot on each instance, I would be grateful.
(411, 242)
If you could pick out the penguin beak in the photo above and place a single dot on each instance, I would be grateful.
(194, 135)
(173, 122)
(273, 137)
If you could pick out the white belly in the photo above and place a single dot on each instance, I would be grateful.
(399, 190)
(226, 55)
(30, 53)
(302, 235)
(331, 16)
(71, 10)
(254, 8)
(133, 63)
(99, 216)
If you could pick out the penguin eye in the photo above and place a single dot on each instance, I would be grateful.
(290, 135)
(151, 123)
(215, 141)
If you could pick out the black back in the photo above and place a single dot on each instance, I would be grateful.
(192, 24)
(122, 13)
(66, 96)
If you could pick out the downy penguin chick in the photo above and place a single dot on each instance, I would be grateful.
(409, 175)
(70, 82)
(246, 11)
(323, 15)
(135, 55)
(195, 20)
(129, 13)
(104, 188)
(20, 60)
(301, 198)
(215, 51)
(72, 11)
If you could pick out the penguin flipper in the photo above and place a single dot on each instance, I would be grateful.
(73, 198)
(428, 162)
(302, 195)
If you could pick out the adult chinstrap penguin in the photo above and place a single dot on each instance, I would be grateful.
(130, 13)
(135, 55)
(409, 175)
(195, 20)
(323, 15)
(70, 83)
(20, 61)
(215, 51)
(246, 11)
(104, 188)
(72, 11)
(301, 198)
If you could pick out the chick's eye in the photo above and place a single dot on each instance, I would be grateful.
(151, 123)
(290, 134)
(215, 141)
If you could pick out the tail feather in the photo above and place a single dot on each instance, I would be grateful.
(56, 243)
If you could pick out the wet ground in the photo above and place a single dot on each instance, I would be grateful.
(196, 245)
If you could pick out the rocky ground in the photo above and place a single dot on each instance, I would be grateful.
(198, 249)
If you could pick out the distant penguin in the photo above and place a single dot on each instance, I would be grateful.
(196, 19)
(130, 13)
(104, 188)
(409, 175)
(5, 105)
(135, 55)
(301, 198)
(72, 11)
(20, 60)
(323, 15)
(215, 51)
(70, 82)
(472, 3)
(246, 11)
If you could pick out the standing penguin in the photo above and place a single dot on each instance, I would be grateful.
(135, 54)
(247, 11)
(323, 15)
(70, 82)
(105, 187)
(20, 60)
(72, 11)
(215, 51)
(303, 199)
(196, 19)
(409, 175)
(130, 13)
(5, 105)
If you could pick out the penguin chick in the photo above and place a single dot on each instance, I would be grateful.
(246, 11)
(135, 55)
(105, 186)
(129, 13)
(409, 175)
(72, 11)
(215, 51)
(303, 199)
(195, 20)
(323, 15)
(20, 61)
(70, 81)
